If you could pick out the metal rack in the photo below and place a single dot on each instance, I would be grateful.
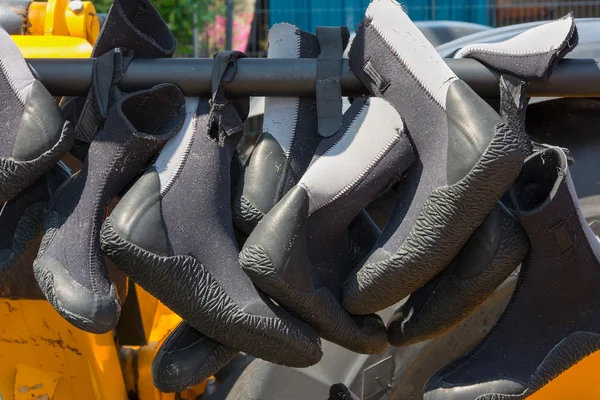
(293, 77)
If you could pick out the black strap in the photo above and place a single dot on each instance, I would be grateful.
(227, 115)
(332, 41)
(107, 71)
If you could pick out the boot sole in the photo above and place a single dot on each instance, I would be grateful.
(439, 231)
(245, 215)
(45, 280)
(185, 286)
(17, 175)
(333, 324)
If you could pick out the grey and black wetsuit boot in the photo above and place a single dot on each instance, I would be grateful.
(70, 266)
(468, 156)
(189, 262)
(34, 134)
(297, 253)
(497, 247)
(553, 318)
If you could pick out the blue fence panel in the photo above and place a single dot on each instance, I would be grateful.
(308, 14)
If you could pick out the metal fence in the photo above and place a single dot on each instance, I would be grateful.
(497, 13)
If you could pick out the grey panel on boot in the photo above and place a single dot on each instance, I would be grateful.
(532, 54)
(450, 190)
(297, 253)
(200, 277)
(70, 267)
(554, 308)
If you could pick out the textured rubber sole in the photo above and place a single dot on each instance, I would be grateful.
(27, 229)
(452, 299)
(445, 222)
(184, 285)
(319, 308)
(563, 356)
(245, 215)
(17, 175)
(167, 376)
(45, 280)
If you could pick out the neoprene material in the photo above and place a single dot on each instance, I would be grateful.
(132, 29)
(190, 260)
(21, 218)
(497, 247)
(70, 267)
(468, 156)
(289, 139)
(190, 357)
(296, 254)
(34, 135)
(554, 307)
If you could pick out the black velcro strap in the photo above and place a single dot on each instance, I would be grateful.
(227, 115)
(332, 41)
(107, 71)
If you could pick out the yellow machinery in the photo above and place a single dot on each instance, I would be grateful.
(43, 357)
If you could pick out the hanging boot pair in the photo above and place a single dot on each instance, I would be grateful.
(278, 161)
(498, 246)
(468, 157)
(125, 133)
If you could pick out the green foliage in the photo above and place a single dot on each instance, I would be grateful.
(179, 15)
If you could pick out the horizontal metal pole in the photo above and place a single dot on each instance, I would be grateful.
(293, 77)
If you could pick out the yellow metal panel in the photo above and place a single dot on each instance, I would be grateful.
(33, 335)
(36, 17)
(81, 24)
(148, 306)
(578, 382)
(55, 23)
(53, 47)
(33, 383)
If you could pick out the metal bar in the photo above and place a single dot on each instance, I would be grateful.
(293, 77)
(229, 28)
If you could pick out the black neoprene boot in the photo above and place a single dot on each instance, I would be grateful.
(552, 320)
(21, 218)
(70, 267)
(468, 157)
(187, 358)
(34, 134)
(190, 260)
(296, 254)
(497, 247)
